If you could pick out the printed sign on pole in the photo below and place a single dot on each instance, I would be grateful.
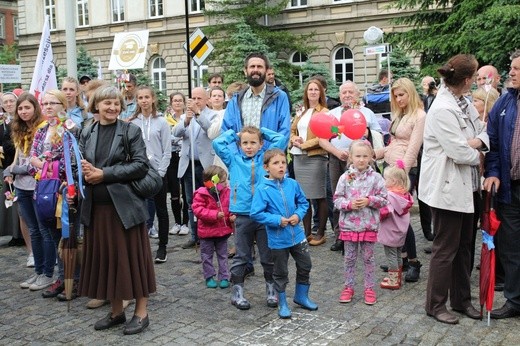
(10, 74)
(200, 47)
(129, 50)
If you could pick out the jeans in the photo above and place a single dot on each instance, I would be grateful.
(188, 187)
(174, 188)
(42, 242)
(302, 258)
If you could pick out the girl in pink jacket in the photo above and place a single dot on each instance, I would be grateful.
(211, 207)
(395, 218)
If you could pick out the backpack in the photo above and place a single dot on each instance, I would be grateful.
(46, 195)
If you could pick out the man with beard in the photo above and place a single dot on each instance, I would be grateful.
(259, 105)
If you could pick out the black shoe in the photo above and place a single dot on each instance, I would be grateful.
(499, 286)
(62, 297)
(16, 242)
(428, 250)
(53, 291)
(250, 271)
(136, 325)
(337, 246)
(160, 256)
(189, 244)
(384, 268)
(109, 321)
(506, 311)
(413, 272)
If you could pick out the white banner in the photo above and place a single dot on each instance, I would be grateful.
(129, 50)
(44, 76)
(10, 74)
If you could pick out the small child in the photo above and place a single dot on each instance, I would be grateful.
(246, 170)
(359, 195)
(211, 206)
(280, 204)
(395, 218)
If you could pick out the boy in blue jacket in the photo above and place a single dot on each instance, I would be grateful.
(245, 172)
(280, 204)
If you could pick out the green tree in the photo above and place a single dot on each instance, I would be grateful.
(443, 28)
(85, 66)
(400, 65)
(228, 17)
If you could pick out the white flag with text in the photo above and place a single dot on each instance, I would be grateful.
(44, 76)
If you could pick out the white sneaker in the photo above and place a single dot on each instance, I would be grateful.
(30, 261)
(27, 283)
(43, 281)
(175, 229)
(152, 233)
(184, 230)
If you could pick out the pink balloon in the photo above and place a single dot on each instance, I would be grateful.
(354, 123)
(322, 124)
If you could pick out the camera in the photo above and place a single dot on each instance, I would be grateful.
(431, 87)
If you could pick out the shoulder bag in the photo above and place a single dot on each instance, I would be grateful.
(151, 184)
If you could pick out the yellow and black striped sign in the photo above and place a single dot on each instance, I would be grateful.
(200, 47)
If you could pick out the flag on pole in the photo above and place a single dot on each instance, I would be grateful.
(44, 76)
(99, 69)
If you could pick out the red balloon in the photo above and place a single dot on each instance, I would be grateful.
(354, 123)
(322, 124)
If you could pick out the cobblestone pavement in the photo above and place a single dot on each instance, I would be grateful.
(185, 312)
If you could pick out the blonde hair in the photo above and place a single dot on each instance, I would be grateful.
(399, 175)
(414, 100)
(492, 96)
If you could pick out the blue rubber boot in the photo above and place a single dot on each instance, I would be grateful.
(301, 297)
(283, 308)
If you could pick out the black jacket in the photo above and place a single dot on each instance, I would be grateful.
(131, 208)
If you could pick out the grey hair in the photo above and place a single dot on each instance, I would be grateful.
(515, 54)
(105, 93)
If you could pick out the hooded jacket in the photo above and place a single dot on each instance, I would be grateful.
(276, 114)
(206, 208)
(273, 200)
(395, 218)
(244, 172)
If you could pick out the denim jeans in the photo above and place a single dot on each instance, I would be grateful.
(42, 243)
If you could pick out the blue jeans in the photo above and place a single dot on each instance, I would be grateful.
(42, 242)
(188, 187)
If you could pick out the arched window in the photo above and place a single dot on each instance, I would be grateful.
(299, 59)
(158, 72)
(343, 65)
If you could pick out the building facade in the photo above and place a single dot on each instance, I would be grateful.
(338, 27)
(9, 28)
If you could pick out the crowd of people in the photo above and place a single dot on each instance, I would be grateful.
(225, 158)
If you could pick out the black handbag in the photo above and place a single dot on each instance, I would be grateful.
(151, 184)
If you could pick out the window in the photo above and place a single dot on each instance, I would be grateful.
(158, 72)
(298, 3)
(299, 59)
(196, 6)
(82, 13)
(197, 74)
(155, 8)
(118, 11)
(343, 65)
(2, 26)
(16, 26)
(50, 10)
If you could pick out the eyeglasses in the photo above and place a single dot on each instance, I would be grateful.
(45, 104)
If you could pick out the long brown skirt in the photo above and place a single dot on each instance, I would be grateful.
(117, 263)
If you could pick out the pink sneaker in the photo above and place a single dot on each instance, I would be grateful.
(370, 296)
(346, 295)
